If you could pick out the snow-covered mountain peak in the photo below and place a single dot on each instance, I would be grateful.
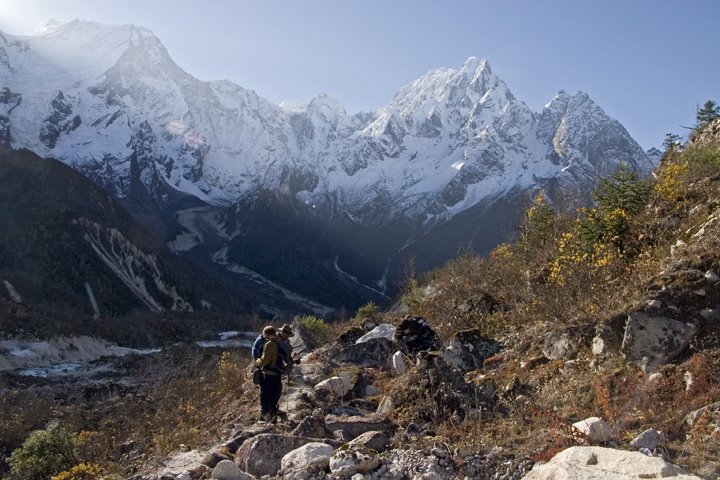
(475, 66)
(63, 52)
(327, 107)
(293, 106)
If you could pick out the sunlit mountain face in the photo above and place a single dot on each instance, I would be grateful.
(312, 206)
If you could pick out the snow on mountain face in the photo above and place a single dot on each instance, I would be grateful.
(110, 101)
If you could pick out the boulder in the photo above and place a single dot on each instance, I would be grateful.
(595, 463)
(261, 455)
(309, 456)
(311, 373)
(414, 335)
(386, 405)
(213, 458)
(605, 340)
(347, 462)
(227, 470)
(650, 439)
(468, 349)
(354, 426)
(712, 410)
(372, 391)
(350, 336)
(373, 440)
(312, 427)
(655, 340)
(398, 363)
(595, 428)
(303, 342)
(558, 345)
(373, 353)
(384, 330)
(338, 387)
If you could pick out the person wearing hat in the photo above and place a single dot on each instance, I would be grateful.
(285, 355)
(286, 349)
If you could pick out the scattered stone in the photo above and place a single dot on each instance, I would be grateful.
(414, 335)
(350, 336)
(586, 463)
(558, 345)
(227, 470)
(595, 428)
(311, 455)
(303, 342)
(467, 350)
(398, 363)
(213, 458)
(312, 427)
(386, 405)
(372, 391)
(655, 304)
(338, 387)
(355, 426)
(350, 461)
(658, 339)
(384, 330)
(373, 440)
(650, 439)
(261, 455)
(373, 353)
(677, 248)
(712, 276)
(712, 409)
(712, 314)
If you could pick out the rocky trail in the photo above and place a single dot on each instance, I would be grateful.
(341, 420)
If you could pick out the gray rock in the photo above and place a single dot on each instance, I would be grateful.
(312, 427)
(398, 364)
(374, 353)
(338, 387)
(558, 345)
(384, 330)
(414, 334)
(373, 440)
(302, 342)
(227, 470)
(650, 439)
(355, 426)
(314, 455)
(655, 340)
(468, 349)
(606, 340)
(595, 428)
(351, 461)
(713, 409)
(262, 454)
(594, 463)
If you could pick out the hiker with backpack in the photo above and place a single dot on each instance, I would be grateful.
(272, 366)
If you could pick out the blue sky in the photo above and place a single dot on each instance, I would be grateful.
(648, 63)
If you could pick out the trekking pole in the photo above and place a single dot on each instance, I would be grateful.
(287, 397)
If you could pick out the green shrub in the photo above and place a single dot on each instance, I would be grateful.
(369, 311)
(43, 454)
(315, 326)
(82, 471)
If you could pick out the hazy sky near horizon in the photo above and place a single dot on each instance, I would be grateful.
(647, 63)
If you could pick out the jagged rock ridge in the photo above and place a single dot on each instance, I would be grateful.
(446, 152)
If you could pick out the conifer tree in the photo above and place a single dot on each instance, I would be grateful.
(618, 198)
(709, 112)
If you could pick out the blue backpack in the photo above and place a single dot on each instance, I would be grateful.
(257, 347)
